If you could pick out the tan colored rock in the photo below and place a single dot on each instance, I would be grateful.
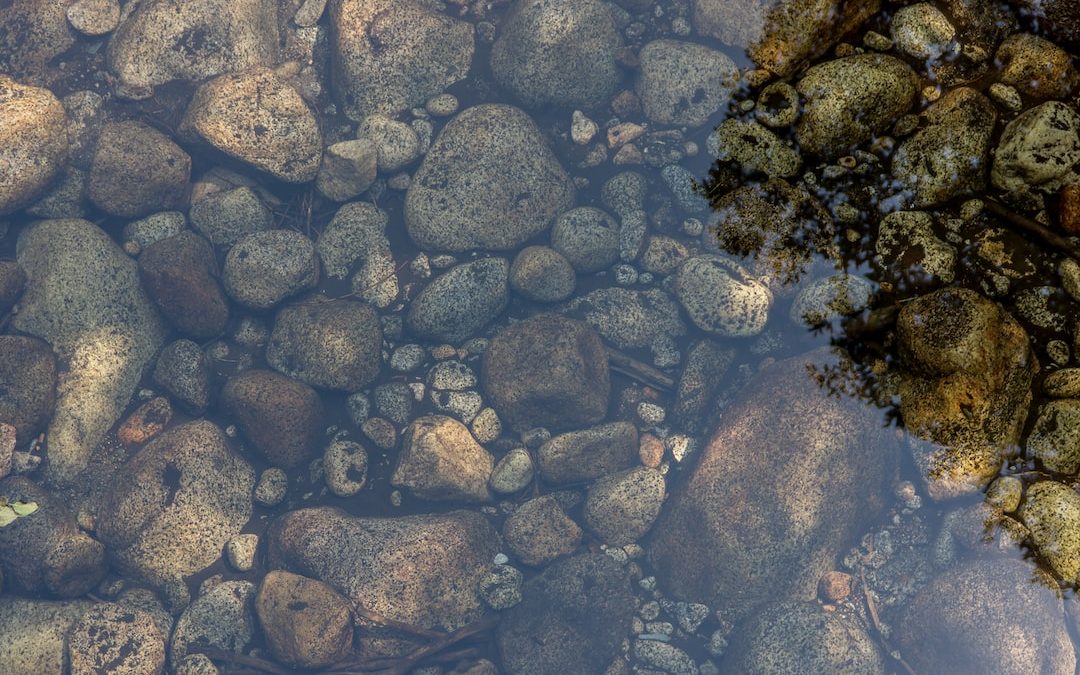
(33, 142)
(306, 622)
(440, 460)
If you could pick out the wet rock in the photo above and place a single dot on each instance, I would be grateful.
(588, 238)
(345, 464)
(542, 274)
(240, 552)
(221, 618)
(1051, 510)
(279, 415)
(35, 634)
(148, 420)
(272, 487)
(683, 83)
(489, 181)
(558, 53)
(1036, 67)
(667, 657)
(991, 615)
(907, 246)
(572, 618)
(921, 31)
(307, 624)
(721, 297)
(396, 143)
(1063, 383)
(45, 553)
(154, 228)
(1055, 438)
(512, 473)
(538, 531)
(630, 318)
(258, 118)
(831, 298)
(183, 371)
(172, 506)
(181, 276)
(395, 401)
(1056, 16)
(746, 502)
(33, 134)
(965, 392)
(590, 453)
(754, 148)
(1038, 149)
(458, 304)
(27, 385)
(83, 297)
(850, 99)
(331, 344)
(205, 38)
(137, 170)
(789, 637)
(706, 364)
(94, 17)
(441, 461)
(622, 507)
(32, 34)
(348, 168)
(357, 233)
(12, 282)
(264, 268)
(116, 639)
(663, 255)
(225, 217)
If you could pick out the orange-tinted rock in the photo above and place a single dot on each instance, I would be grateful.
(148, 420)
(1069, 208)
(306, 622)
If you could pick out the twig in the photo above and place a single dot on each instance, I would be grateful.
(233, 657)
(1033, 227)
(642, 372)
(376, 618)
(405, 664)
(872, 606)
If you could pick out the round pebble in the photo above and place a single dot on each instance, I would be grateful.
(272, 486)
(240, 551)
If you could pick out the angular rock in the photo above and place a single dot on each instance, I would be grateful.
(396, 143)
(909, 248)
(27, 384)
(183, 371)
(348, 168)
(180, 274)
(306, 623)
(683, 83)
(539, 531)
(583, 455)
(116, 639)
(1038, 149)
(621, 508)
(333, 345)
(458, 304)
(441, 461)
(137, 170)
(279, 415)
(701, 378)
(33, 140)
(264, 268)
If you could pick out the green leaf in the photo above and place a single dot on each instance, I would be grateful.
(23, 508)
(7, 516)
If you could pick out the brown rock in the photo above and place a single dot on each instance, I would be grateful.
(1036, 66)
(32, 34)
(118, 640)
(306, 623)
(539, 531)
(1069, 208)
(148, 420)
(280, 416)
(180, 274)
(27, 384)
(33, 136)
(650, 451)
(590, 453)
(137, 170)
(834, 586)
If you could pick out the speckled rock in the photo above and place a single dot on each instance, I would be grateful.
(683, 83)
(587, 237)
(1038, 149)
(1051, 510)
(27, 384)
(34, 139)
(258, 118)
(330, 344)
(1036, 67)
(558, 53)
(850, 99)
(172, 506)
(538, 531)
(307, 624)
(35, 634)
(32, 34)
(396, 143)
(83, 296)
(264, 268)
(137, 170)
(458, 304)
(441, 461)
(831, 298)
(180, 274)
(1054, 440)
(948, 156)
(753, 148)
(221, 618)
(348, 168)
(630, 318)
(116, 639)
(272, 487)
(12, 283)
(183, 371)
(591, 453)
(357, 233)
(793, 637)
(226, 216)
(488, 181)
(986, 615)
(921, 31)
(721, 297)
(208, 37)
(1056, 16)
(965, 392)
(1063, 383)
(621, 508)
(345, 464)
(542, 274)
(907, 239)
(512, 473)
(572, 618)
(746, 501)
(281, 416)
(706, 364)
(94, 17)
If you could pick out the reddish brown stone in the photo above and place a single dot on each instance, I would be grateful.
(1069, 209)
(834, 586)
(149, 420)
(180, 274)
(651, 450)
(281, 416)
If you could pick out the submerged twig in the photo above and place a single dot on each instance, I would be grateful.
(871, 605)
(1033, 227)
(637, 370)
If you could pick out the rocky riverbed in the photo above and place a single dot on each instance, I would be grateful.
(539, 336)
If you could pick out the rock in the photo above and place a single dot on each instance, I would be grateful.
(12, 282)
(331, 344)
(83, 297)
(947, 157)
(394, 400)
(33, 134)
(850, 99)
(583, 455)
(1056, 16)
(721, 297)
(547, 371)
(966, 387)
(258, 118)
(348, 168)
(226, 216)
(389, 55)
(621, 508)
(665, 656)
(280, 416)
(461, 302)
(32, 34)
(183, 371)
(1036, 67)
(630, 318)
(240, 552)
(512, 473)
(392, 566)
(204, 38)
(501, 587)
(221, 618)
(172, 506)
(357, 232)
(441, 461)
(7, 459)
(148, 420)
(264, 268)
(588, 238)
(116, 639)
(1063, 383)
(663, 255)
(558, 53)
(153, 228)
(272, 487)
(538, 531)
(683, 83)
(790, 637)
(746, 501)
(572, 618)
(1054, 440)
(345, 464)
(94, 17)
(1051, 511)
(993, 616)
(180, 273)
(542, 274)
(706, 364)
(27, 385)
(921, 31)
(36, 632)
(488, 181)
(909, 248)
(831, 298)
(396, 143)
(137, 170)
(1038, 149)
(753, 148)
(307, 624)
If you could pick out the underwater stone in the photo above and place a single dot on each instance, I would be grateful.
(721, 297)
(682, 83)
(33, 134)
(1038, 149)
(1051, 510)
(539, 531)
(461, 302)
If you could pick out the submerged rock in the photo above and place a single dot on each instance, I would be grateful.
(721, 297)
(181, 275)
(539, 531)
(1038, 149)
(116, 639)
(1054, 440)
(1051, 511)
(357, 233)
(34, 138)
(684, 83)
(331, 344)
(1036, 67)
(27, 385)
(221, 618)
(306, 623)
(458, 304)
(36, 634)
(440, 460)
(628, 317)
(281, 416)
(137, 170)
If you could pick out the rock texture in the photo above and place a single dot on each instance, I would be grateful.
(33, 141)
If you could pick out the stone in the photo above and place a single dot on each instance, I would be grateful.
(1056, 16)
(1051, 511)
(1055, 438)
(512, 473)
(683, 83)
(831, 298)
(747, 500)
(908, 247)
(279, 415)
(538, 532)
(542, 274)
(706, 364)
(441, 461)
(1036, 67)
(345, 464)
(630, 318)
(272, 487)
(240, 552)
(489, 181)
(36, 633)
(264, 268)
(547, 371)
(258, 118)
(458, 304)
(850, 99)
(116, 639)
(921, 31)
(154, 228)
(396, 143)
(226, 216)
(721, 297)
(395, 401)
(588, 238)
(180, 274)
(1038, 149)
(221, 618)
(33, 135)
(175, 503)
(558, 53)
(665, 656)
(183, 371)
(146, 422)
(387, 56)
(137, 170)
(348, 168)
(94, 17)
(753, 148)
(27, 385)
(663, 255)
(307, 623)
(32, 34)
(12, 282)
(621, 508)
(83, 296)
(501, 588)
(357, 233)
(587, 454)
(331, 344)
(1063, 383)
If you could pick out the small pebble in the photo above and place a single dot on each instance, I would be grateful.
(650, 413)
(835, 586)
(582, 129)
(443, 105)
(272, 486)
(240, 551)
